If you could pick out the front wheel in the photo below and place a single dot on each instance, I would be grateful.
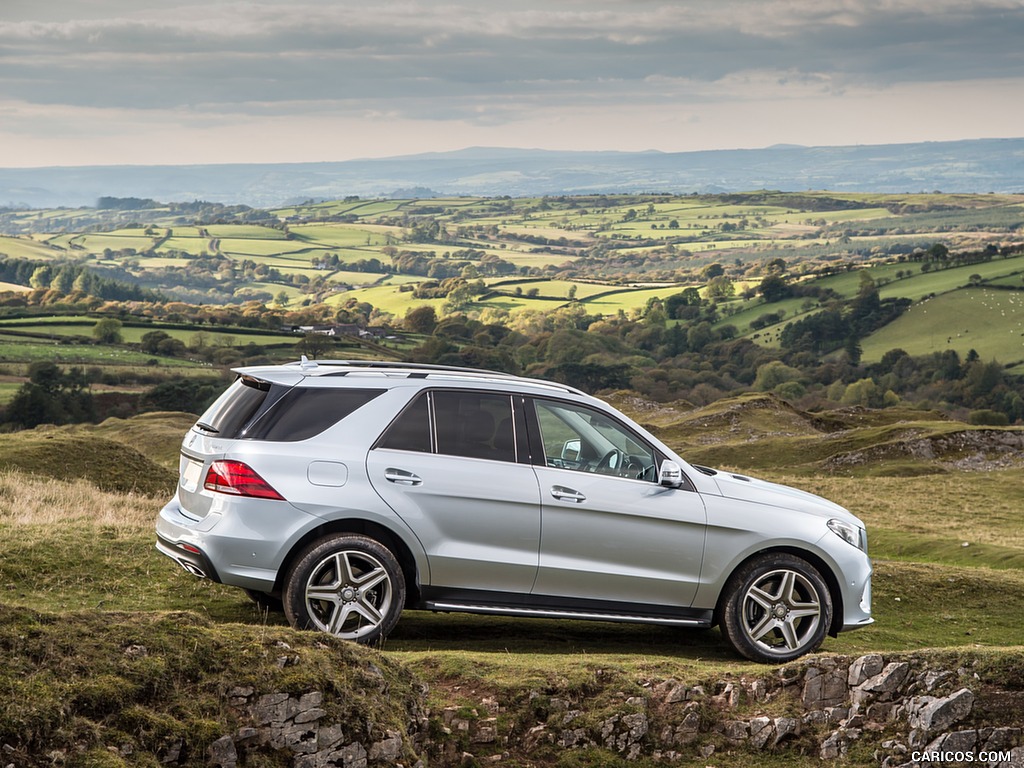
(776, 608)
(349, 586)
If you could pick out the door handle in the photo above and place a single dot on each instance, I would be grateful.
(562, 493)
(401, 477)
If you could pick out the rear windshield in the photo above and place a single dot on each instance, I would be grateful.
(237, 406)
(257, 410)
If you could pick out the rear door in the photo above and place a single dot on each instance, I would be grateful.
(450, 468)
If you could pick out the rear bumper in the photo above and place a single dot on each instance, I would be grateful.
(195, 562)
(240, 547)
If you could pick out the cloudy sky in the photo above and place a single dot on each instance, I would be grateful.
(98, 82)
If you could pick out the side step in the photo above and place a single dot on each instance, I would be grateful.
(554, 613)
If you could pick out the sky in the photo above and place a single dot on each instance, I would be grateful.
(140, 82)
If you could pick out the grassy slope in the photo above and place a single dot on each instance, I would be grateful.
(71, 547)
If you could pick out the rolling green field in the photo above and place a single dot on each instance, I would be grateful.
(991, 322)
(612, 248)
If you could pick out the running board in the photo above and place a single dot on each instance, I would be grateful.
(552, 613)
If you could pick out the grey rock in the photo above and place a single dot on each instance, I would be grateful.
(486, 731)
(676, 694)
(960, 741)
(785, 727)
(930, 714)
(736, 731)
(353, 756)
(222, 753)
(571, 738)
(832, 747)
(308, 715)
(388, 750)
(889, 680)
(826, 689)
(761, 731)
(999, 739)
(330, 736)
(865, 668)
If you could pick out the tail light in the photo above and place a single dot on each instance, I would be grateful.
(238, 479)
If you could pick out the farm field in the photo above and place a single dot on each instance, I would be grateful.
(991, 322)
(616, 253)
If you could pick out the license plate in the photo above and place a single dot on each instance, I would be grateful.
(190, 475)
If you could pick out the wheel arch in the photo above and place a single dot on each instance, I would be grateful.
(367, 528)
(820, 564)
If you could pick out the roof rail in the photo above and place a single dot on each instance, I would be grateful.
(307, 364)
(426, 369)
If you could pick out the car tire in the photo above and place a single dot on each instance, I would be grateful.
(776, 607)
(347, 585)
(265, 600)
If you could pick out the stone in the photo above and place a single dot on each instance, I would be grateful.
(999, 739)
(758, 691)
(865, 668)
(960, 741)
(637, 725)
(832, 747)
(785, 727)
(823, 690)
(274, 708)
(736, 731)
(222, 753)
(486, 731)
(932, 679)
(887, 682)
(930, 714)
(761, 732)
(573, 737)
(353, 756)
(676, 694)
(308, 715)
(330, 736)
(388, 750)
(879, 712)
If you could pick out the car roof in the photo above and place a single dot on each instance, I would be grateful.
(382, 370)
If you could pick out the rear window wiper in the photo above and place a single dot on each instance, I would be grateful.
(207, 428)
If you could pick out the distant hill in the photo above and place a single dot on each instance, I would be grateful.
(984, 165)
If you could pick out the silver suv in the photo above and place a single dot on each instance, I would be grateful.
(349, 490)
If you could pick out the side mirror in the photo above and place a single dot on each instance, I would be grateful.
(571, 450)
(670, 475)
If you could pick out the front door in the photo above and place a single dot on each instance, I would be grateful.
(610, 531)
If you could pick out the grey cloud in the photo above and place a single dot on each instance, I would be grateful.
(422, 59)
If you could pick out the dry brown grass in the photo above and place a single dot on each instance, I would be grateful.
(29, 501)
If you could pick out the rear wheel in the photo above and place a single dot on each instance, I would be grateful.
(347, 585)
(776, 608)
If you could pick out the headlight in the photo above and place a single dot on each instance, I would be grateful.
(848, 533)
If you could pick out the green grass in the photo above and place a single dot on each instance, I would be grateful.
(991, 322)
(77, 354)
(79, 563)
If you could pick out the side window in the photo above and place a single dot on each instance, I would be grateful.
(303, 412)
(411, 430)
(586, 440)
(476, 425)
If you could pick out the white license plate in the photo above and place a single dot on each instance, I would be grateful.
(190, 475)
